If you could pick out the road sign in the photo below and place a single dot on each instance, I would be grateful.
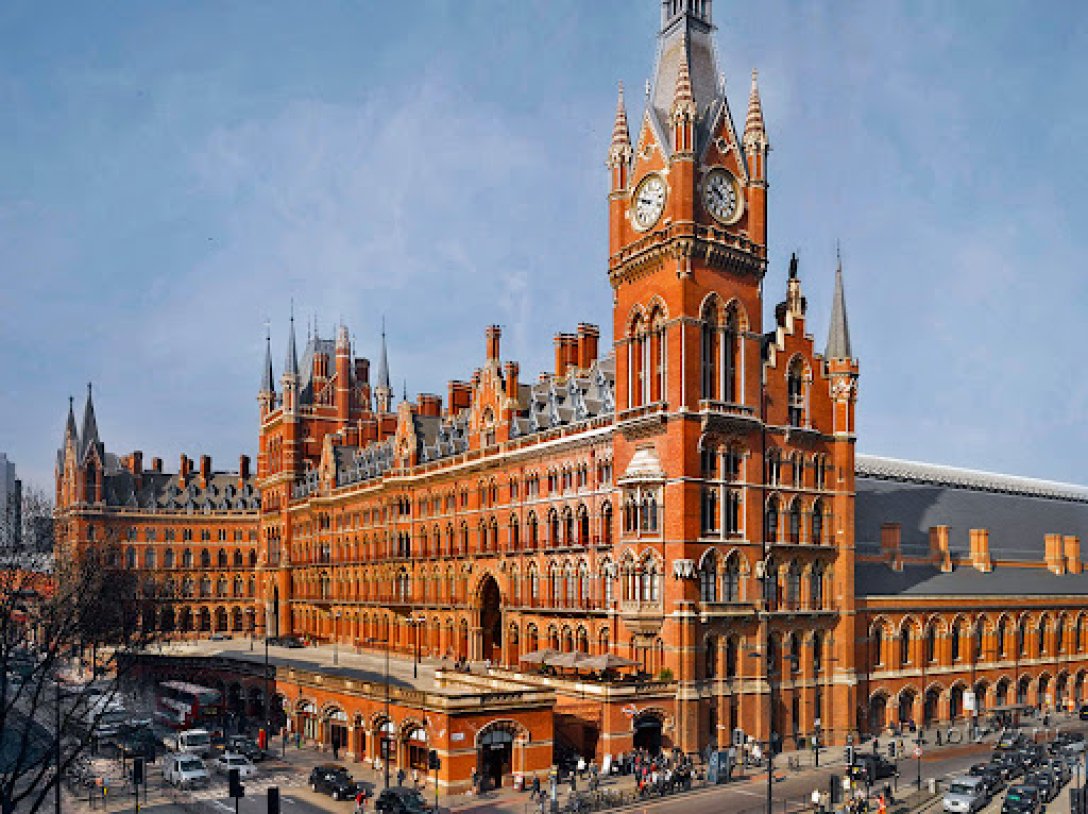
(969, 701)
(630, 710)
(917, 751)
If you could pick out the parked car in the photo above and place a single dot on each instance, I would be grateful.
(1022, 799)
(232, 760)
(185, 771)
(966, 795)
(1060, 769)
(1083, 712)
(400, 800)
(244, 745)
(335, 781)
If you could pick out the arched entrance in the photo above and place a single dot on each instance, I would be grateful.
(491, 620)
(933, 697)
(906, 705)
(878, 712)
(648, 733)
(495, 754)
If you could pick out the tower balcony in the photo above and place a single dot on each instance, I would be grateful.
(642, 617)
(725, 416)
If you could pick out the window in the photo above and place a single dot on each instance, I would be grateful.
(774, 468)
(904, 645)
(931, 643)
(771, 521)
(708, 579)
(796, 396)
(731, 581)
(733, 512)
(818, 522)
(711, 657)
(878, 645)
(1000, 638)
(955, 645)
(795, 521)
(710, 510)
(816, 586)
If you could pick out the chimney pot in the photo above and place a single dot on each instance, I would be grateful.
(494, 336)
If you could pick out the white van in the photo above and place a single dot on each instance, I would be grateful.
(185, 771)
(195, 742)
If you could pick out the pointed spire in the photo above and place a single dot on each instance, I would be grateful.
(383, 363)
(90, 424)
(620, 151)
(267, 385)
(683, 100)
(70, 430)
(404, 397)
(838, 336)
(755, 132)
(290, 365)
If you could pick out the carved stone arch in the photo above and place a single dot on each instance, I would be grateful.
(711, 553)
(734, 309)
(635, 323)
(711, 308)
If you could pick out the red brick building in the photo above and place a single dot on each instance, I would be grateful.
(684, 499)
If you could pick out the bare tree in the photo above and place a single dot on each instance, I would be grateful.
(49, 716)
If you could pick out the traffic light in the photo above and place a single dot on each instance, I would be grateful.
(138, 771)
(891, 749)
(849, 756)
(236, 788)
(273, 800)
(434, 763)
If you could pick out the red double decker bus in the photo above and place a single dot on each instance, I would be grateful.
(188, 706)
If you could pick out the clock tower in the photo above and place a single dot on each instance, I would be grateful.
(711, 408)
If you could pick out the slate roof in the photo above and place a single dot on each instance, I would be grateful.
(160, 490)
(1017, 512)
(697, 37)
(543, 406)
(878, 579)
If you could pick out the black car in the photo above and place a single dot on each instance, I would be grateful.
(1022, 799)
(1046, 782)
(335, 781)
(400, 800)
(1009, 764)
(871, 768)
(242, 745)
(1082, 713)
(293, 642)
(1010, 739)
(991, 775)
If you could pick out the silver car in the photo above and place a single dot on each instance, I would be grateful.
(966, 795)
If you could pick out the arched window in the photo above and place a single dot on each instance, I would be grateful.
(795, 521)
(955, 640)
(818, 522)
(731, 581)
(931, 642)
(149, 558)
(796, 393)
(1000, 637)
(771, 520)
(793, 586)
(1041, 637)
(168, 558)
(708, 579)
(816, 587)
(710, 659)
(904, 645)
(710, 510)
(878, 645)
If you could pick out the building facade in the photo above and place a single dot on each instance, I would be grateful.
(687, 498)
(11, 505)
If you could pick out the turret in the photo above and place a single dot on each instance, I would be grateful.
(842, 367)
(343, 377)
(756, 148)
(683, 111)
(290, 371)
(267, 395)
(620, 152)
(383, 394)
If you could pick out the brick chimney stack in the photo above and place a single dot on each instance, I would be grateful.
(185, 466)
(156, 464)
(510, 380)
(494, 335)
(891, 545)
(938, 548)
(243, 470)
(560, 355)
(205, 471)
(980, 550)
(588, 339)
(1072, 554)
(1055, 553)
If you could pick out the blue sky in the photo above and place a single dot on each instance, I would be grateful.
(173, 174)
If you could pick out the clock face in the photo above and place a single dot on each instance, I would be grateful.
(721, 197)
(648, 201)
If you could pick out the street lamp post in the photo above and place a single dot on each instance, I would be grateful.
(336, 638)
(382, 739)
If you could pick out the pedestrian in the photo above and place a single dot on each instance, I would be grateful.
(335, 749)
(360, 802)
(816, 800)
(298, 739)
(400, 776)
(415, 778)
(475, 779)
(536, 786)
